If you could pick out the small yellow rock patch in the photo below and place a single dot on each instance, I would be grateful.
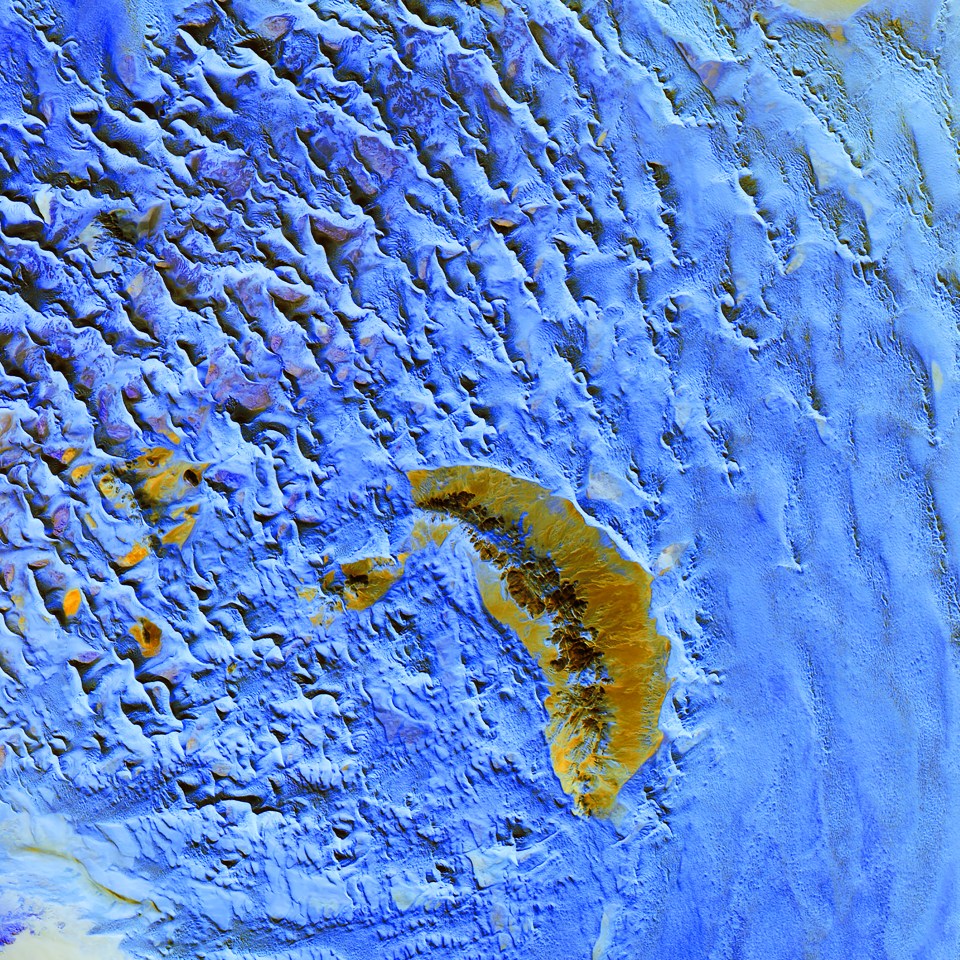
(369, 579)
(137, 553)
(71, 602)
(148, 635)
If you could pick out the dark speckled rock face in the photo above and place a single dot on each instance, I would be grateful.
(475, 480)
